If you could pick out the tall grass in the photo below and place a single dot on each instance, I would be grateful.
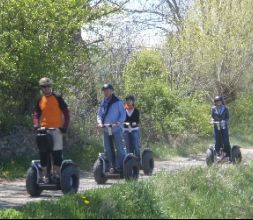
(84, 155)
(166, 152)
(15, 168)
(217, 192)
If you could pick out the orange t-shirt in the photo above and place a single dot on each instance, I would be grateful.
(52, 116)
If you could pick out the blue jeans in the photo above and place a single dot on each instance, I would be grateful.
(222, 138)
(120, 153)
(132, 140)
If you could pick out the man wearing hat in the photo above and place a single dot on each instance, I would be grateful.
(111, 111)
(51, 111)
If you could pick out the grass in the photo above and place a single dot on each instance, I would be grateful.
(243, 140)
(14, 169)
(84, 156)
(165, 152)
(217, 192)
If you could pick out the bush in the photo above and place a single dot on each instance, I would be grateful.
(163, 109)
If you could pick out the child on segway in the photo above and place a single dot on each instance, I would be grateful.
(132, 120)
(220, 116)
(132, 137)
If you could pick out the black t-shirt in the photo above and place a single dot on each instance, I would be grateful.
(135, 117)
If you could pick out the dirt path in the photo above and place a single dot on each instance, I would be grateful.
(13, 194)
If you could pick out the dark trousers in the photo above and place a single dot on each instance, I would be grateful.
(222, 139)
(45, 158)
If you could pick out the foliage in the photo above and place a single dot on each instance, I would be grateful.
(213, 52)
(39, 38)
(168, 110)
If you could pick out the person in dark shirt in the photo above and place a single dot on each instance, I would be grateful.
(220, 114)
(51, 111)
(132, 137)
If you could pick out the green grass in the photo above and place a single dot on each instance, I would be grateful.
(243, 140)
(14, 169)
(218, 192)
(166, 152)
(86, 154)
(200, 145)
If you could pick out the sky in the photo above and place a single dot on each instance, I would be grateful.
(150, 37)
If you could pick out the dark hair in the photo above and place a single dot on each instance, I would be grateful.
(130, 98)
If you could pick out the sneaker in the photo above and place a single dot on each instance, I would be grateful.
(226, 159)
(111, 171)
(44, 180)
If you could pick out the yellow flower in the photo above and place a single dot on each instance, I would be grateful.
(85, 200)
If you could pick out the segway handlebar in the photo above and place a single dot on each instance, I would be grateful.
(130, 125)
(219, 124)
(46, 129)
(109, 127)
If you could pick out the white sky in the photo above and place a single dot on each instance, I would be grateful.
(146, 38)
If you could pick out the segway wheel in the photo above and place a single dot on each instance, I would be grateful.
(131, 169)
(70, 179)
(210, 157)
(236, 155)
(148, 163)
(99, 176)
(31, 183)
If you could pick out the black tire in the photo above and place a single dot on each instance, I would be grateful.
(32, 187)
(131, 169)
(100, 178)
(148, 163)
(70, 179)
(210, 157)
(236, 155)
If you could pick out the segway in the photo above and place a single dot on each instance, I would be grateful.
(218, 157)
(67, 182)
(147, 163)
(103, 168)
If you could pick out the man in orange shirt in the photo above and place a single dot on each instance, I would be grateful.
(51, 111)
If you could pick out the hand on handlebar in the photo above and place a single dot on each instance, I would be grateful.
(63, 130)
(36, 128)
(116, 125)
(100, 126)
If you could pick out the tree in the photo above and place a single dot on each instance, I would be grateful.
(40, 38)
(165, 111)
(213, 51)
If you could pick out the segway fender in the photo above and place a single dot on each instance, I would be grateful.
(102, 159)
(36, 165)
(66, 163)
